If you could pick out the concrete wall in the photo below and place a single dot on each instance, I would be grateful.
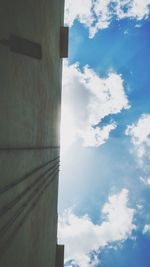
(30, 96)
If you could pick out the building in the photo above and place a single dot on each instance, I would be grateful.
(30, 98)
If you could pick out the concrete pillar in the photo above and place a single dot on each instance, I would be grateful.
(30, 96)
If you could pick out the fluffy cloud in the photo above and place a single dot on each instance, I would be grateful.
(81, 236)
(146, 181)
(146, 229)
(97, 15)
(79, 9)
(86, 100)
(140, 137)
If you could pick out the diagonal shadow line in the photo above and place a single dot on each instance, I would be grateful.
(11, 221)
(7, 187)
(19, 197)
(7, 243)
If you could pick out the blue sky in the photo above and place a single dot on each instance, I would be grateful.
(104, 190)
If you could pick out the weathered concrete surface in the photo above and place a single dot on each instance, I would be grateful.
(30, 96)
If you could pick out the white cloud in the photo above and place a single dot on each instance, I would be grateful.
(96, 136)
(140, 137)
(146, 181)
(132, 9)
(86, 100)
(81, 236)
(79, 9)
(146, 229)
(97, 15)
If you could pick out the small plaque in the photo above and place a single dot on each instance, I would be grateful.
(64, 33)
(59, 256)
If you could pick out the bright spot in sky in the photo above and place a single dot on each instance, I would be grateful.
(67, 128)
